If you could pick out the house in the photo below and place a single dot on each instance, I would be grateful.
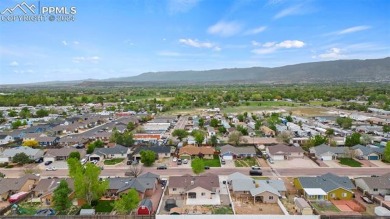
(5, 139)
(145, 185)
(144, 137)
(198, 190)
(145, 207)
(9, 153)
(161, 152)
(72, 140)
(31, 136)
(368, 153)
(189, 151)
(229, 152)
(210, 131)
(10, 186)
(45, 189)
(325, 187)
(267, 131)
(302, 206)
(326, 152)
(284, 152)
(118, 151)
(61, 154)
(246, 188)
(375, 185)
(47, 140)
(259, 140)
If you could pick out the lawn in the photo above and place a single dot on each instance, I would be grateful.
(350, 162)
(222, 210)
(246, 162)
(104, 206)
(213, 162)
(325, 207)
(27, 208)
(113, 161)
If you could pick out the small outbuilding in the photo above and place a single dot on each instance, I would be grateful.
(169, 204)
(302, 206)
(145, 207)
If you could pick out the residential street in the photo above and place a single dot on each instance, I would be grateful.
(279, 172)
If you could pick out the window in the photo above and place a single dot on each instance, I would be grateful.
(271, 197)
(332, 195)
(375, 190)
(203, 194)
(344, 194)
(174, 189)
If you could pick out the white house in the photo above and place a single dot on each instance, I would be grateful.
(5, 139)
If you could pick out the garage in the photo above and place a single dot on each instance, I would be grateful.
(327, 157)
(278, 157)
(227, 157)
(373, 157)
(45, 159)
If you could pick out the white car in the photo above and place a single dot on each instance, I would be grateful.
(94, 161)
(174, 159)
(51, 169)
(185, 161)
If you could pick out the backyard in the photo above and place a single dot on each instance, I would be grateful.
(349, 162)
(104, 206)
(325, 207)
(212, 162)
(113, 161)
(246, 162)
(222, 210)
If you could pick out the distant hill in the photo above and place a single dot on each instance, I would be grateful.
(340, 70)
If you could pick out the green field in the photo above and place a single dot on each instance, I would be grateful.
(325, 207)
(212, 163)
(247, 162)
(113, 161)
(104, 206)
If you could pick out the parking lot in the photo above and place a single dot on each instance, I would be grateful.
(294, 163)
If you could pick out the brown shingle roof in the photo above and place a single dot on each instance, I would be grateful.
(193, 150)
(207, 181)
(284, 149)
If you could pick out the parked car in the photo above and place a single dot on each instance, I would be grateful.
(179, 162)
(255, 167)
(359, 157)
(47, 163)
(255, 173)
(2, 175)
(51, 169)
(270, 160)
(39, 160)
(206, 167)
(83, 161)
(185, 161)
(223, 162)
(162, 167)
(174, 159)
(94, 161)
(45, 212)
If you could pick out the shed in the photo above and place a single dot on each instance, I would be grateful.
(145, 207)
(381, 211)
(302, 206)
(87, 212)
(169, 204)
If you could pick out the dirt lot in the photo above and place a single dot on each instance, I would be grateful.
(258, 208)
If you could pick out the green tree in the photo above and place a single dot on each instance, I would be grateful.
(386, 128)
(199, 138)
(258, 124)
(235, 137)
(285, 136)
(386, 153)
(130, 126)
(61, 199)
(12, 113)
(353, 139)
(21, 158)
(213, 140)
(289, 118)
(201, 122)
(42, 113)
(214, 123)
(344, 122)
(197, 166)
(148, 157)
(16, 124)
(25, 113)
(240, 117)
(125, 139)
(86, 180)
(75, 154)
(243, 130)
(127, 202)
(180, 134)
(96, 144)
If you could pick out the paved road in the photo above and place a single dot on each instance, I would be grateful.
(279, 172)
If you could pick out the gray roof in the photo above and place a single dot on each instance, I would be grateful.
(62, 152)
(327, 182)
(14, 184)
(3, 136)
(49, 185)
(156, 149)
(207, 181)
(140, 184)
(87, 212)
(237, 150)
(240, 182)
(284, 149)
(117, 149)
(239, 185)
(146, 203)
(263, 186)
(381, 182)
(275, 183)
(237, 175)
(11, 152)
(368, 150)
(149, 175)
(322, 149)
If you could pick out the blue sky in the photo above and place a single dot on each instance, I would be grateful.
(129, 37)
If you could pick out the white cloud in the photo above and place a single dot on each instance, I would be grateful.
(64, 43)
(29, 71)
(333, 53)
(76, 42)
(91, 59)
(181, 6)
(353, 29)
(14, 64)
(197, 44)
(293, 10)
(168, 53)
(224, 29)
(270, 47)
(255, 30)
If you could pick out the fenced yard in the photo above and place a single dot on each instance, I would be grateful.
(246, 162)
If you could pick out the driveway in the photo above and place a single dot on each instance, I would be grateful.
(294, 163)
(332, 163)
(366, 163)
(379, 163)
(228, 164)
(56, 164)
